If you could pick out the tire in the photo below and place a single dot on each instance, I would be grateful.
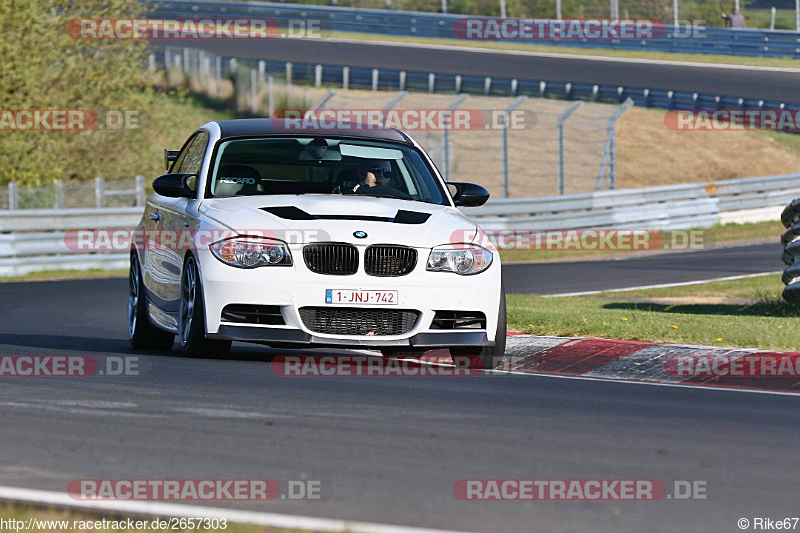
(192, 325)
(141, 333)
(487, 357)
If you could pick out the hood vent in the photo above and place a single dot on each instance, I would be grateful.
(291, 212)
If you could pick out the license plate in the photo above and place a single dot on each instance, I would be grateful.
(349, 296)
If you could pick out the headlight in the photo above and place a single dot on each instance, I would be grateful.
(252, 252)
(462, 259)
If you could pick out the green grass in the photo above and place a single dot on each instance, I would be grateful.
(24, 513)
(728, 234)
(745, 313)
(775, 62)
(760, 18)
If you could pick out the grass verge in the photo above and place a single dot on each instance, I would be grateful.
(747, 313)
(774, 62)
(66, 520)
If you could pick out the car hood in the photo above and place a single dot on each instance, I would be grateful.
(322, 218)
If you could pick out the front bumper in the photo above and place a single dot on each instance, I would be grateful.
(295, 287)
(279, 336)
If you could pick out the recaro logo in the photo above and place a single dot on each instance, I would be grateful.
(248, 181)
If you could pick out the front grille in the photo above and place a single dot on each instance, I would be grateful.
(337, 259)
(389, 260)
(357, 321)
(458, 320)
(253, 314)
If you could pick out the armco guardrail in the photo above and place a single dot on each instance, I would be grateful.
(434, 82)
(744, 42)
(791, 251)
(34, 240)
(665, 207)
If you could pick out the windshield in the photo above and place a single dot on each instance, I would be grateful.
(318, 165)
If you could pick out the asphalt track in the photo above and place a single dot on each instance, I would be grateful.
(767, 84)
(679, 267)
(389, 449)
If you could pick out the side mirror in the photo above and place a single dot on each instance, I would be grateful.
(170, 156)
(468, 194)
(176, 185)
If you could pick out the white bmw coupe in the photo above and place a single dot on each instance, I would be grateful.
(347, 237)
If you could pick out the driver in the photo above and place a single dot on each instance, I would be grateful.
(372, 174)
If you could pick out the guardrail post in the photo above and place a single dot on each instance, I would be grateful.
(140, 190)
(288, 83)
(346, 78)
(402, 80)
(506, 117)
(185, 60)
(253, 92)
(487, 85)
(375, 74)
(797, 14)
(458, 79)
(99, 192)
(318, 76)
(233, 65)
(12, 195)
(560, 128)
(58, 185)
(431, 81)
(270, 96)
(542, 88)
(262, 71)
(514, 84)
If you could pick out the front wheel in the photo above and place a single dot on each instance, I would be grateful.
(192, 326)
(487, 357)
(141, 333)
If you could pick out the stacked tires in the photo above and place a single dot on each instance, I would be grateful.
(791, 251)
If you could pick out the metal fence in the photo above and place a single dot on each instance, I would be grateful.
(70, 195)
(36, 240)
(743, 42)
(681, 206)
(555, 147)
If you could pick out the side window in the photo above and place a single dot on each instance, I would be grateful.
(192, 158)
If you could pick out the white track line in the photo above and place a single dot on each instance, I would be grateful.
(663, 285)
(43, 497)
(628, 381)
(561, 56)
